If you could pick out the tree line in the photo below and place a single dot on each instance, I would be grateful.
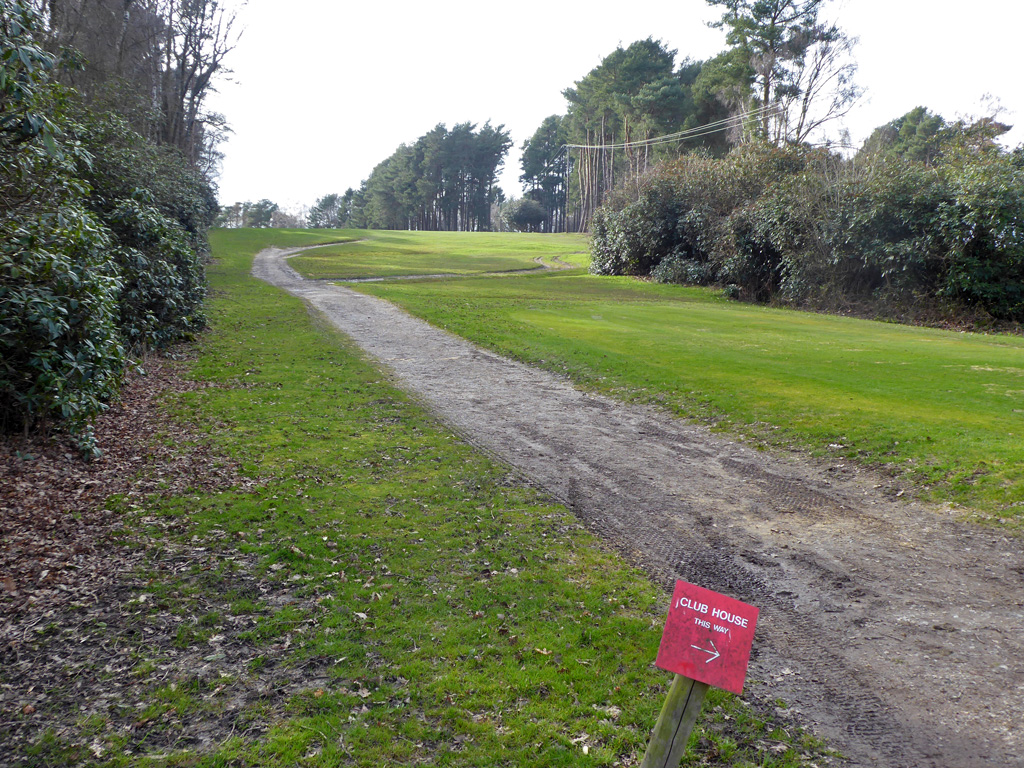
(258, 215)
(445, 181)
(106, 160)
(785, 73)
(924, 223)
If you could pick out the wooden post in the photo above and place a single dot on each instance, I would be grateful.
(676, 721)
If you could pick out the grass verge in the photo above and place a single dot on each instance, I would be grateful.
(375, 593)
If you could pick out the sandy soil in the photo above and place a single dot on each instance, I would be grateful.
(892, 630)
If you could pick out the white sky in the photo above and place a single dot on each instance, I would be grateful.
(323, 90)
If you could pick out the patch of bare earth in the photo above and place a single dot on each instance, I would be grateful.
(98, 621)
(57, 533)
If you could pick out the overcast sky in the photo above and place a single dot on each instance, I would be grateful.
(323, 90)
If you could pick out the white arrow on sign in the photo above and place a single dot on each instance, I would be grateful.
(714, 651)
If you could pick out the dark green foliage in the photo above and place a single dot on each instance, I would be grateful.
(683, 214)
(446, 181)
(24, 68)
(984, 223)
(893, 225)
(915, 136)
(754, 268)
(102, 240)
(123, 162)
(903, 233)
(164, 281)
(335, 211)
(632, 241)
(808, 227)
(545, 165)
(525, 215)
(158, 210)
(60, 351)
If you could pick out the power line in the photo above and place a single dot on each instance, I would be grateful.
(701, 130)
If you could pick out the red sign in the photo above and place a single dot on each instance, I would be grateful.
(707, 637)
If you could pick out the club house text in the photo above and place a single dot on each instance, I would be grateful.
(716, 613)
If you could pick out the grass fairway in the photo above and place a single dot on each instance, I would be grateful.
(383, 595)
(944, 409)
(389, 254)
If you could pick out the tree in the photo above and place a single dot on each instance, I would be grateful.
(445, 181)
(545, 165)
(487, 158)
(153, 61)
(916, 136)
(801, 67)
(284, 220)
(352, 208)
(328, 212)
(390, 192)
(610, 109)
(619, 113)
(924, 137)
(230, 216)
(822, 88)
(728, 80)
(198, 35)
(259, 214)
(524, 215)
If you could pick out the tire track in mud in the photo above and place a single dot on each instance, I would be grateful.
(891, 630)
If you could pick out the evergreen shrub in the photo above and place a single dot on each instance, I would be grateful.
(102, 242)
(808, 227)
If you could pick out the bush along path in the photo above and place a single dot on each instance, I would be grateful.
(287, 562)
(892, 628)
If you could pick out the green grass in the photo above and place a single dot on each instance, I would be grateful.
(257, 239)
(396, 597)
(389, 254)
(943, 410)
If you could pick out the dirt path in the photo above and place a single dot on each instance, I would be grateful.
(541, 267)
(893, 631)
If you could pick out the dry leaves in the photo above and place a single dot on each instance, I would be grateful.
(57, 538)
